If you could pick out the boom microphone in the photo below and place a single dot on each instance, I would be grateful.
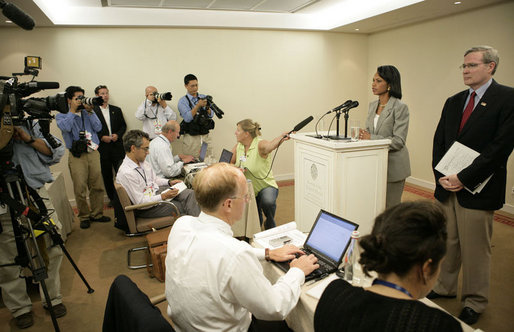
(302, 124)
(40, 85)
(343, 105)
(17, 16)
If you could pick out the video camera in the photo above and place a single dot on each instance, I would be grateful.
(13, 108)
(210, 104)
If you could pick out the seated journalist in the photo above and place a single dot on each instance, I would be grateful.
(161, 157)
(143, 186)
(215, 282)
(406, 248)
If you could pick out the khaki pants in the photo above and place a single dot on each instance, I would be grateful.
(469, 245)
(87, 176)
(191, 144)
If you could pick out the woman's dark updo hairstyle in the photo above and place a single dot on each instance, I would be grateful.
(392, 76)
(403, 236)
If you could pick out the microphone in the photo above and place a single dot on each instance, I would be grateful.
(17, 16)
(343, 105)
(352, 105)
(40, 85)
(302, 124)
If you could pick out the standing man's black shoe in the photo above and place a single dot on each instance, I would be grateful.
(433, 295)
(101, 219)
(469, 316)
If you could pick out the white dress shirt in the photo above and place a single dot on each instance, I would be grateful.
(164, 164)
(154, 117)
(214, 282)
(135, 178)
(107, 117)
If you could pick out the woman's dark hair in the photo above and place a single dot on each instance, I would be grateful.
(392, 76)
(403, 236)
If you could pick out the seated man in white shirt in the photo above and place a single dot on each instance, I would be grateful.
(161, 157)
(215, 282)
(143, 186)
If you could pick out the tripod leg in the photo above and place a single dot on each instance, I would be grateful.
(50, 306)
(89, 289)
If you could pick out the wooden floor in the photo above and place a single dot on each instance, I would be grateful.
(100, 253)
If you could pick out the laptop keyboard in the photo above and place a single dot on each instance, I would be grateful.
(323, 267)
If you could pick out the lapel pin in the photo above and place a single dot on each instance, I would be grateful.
(483, 104)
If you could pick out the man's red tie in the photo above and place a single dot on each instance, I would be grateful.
(468, 110)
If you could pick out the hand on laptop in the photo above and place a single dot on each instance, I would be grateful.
(186, 158)
(285, 253)
(306, 263)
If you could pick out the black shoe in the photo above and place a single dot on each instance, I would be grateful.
(433, 295)
(84, 224)
(109, 205)
(101, 219)
(59, 310)
(469, 316)
(24, 321)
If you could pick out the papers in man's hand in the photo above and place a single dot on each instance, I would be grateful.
(180, 186)
(456, 159)
(278, 236)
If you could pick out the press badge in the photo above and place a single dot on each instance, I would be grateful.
(242, 159)
(148, 192)
(157, 127)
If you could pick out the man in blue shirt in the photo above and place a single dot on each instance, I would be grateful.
(79, 129)
(197, 119)
(33, 153)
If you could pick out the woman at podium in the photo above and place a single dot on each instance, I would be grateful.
(405, 248)
(253, 155)
(388, 118)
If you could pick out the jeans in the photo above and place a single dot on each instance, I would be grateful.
(267, 205)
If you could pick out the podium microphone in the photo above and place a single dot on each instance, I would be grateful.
(301, 124)
(343, 105)
(352, 105)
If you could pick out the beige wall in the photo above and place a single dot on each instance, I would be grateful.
(275, 77)
(428, 56)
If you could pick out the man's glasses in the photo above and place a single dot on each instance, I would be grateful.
(471, 65)
(246, 197)
(146, 148)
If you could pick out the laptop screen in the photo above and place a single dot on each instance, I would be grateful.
(330, 235)
(225, 156)
(203, 151)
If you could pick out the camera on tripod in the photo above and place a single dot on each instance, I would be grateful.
(162, 96)
(210, 104)
(13, 108)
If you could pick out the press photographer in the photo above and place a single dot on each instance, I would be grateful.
(154, 111)
(197, 110)
(79, 129)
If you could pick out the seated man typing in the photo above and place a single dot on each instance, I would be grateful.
(163, 162)
(213, 281)
(143, 186)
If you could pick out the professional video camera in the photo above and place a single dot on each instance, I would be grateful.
(13, 108)
(163, 96)
(210, 104)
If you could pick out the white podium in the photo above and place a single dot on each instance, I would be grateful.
(346, 178)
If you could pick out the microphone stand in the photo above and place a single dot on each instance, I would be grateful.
(338, 116)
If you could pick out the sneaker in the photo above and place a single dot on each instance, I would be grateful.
(101, 219)
(59, 310)
(24, 321)
(85, 224)
(469, 316)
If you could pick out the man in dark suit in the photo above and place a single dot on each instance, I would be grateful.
(111, 142)
(481, 118)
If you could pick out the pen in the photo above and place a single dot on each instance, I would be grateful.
(287, 241)
(324, 275)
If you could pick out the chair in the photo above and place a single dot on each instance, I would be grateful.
(138, 226)
(129, 309)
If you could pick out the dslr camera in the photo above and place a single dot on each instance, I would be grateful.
(91, 101)
(162, 96)
(210, 104)
(80, 146)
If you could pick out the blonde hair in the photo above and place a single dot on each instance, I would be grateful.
(215, 184)
(251, 127)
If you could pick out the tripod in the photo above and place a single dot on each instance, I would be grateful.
(27, 222)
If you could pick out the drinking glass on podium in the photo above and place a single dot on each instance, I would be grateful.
(355, 127)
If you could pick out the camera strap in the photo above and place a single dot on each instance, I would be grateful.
(154, 115)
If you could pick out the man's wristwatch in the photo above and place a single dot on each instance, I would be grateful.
(266, 255)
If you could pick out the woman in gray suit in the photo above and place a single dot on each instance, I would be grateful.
(388, 118)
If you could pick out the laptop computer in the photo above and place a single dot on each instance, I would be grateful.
(328, 240)
(226, 156)
(197, 164)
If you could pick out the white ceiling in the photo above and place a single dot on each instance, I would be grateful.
(368, 16)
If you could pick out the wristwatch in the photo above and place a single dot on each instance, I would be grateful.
(266, 255)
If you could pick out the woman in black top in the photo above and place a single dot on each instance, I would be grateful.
(405, 248)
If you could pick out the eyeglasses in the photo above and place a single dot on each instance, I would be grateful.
(471, 65)
(146, 149)
(245, 197)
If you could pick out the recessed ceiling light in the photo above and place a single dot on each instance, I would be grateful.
(457, 2)
(356, 29)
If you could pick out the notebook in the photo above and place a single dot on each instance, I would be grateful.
(328, 240)
(226, 156)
